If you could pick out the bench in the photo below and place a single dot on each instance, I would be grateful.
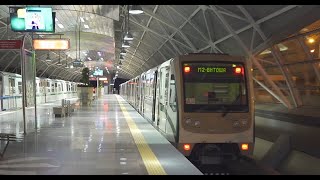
(6, 137)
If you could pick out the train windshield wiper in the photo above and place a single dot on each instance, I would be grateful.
(228, 109)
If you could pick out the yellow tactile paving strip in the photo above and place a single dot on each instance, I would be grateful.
(150, 160)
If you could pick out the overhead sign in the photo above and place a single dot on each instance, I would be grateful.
(77, 63)
(51, 44)
(10, 44)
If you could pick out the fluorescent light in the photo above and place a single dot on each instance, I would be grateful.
(125, 44)
(82, 20)
(118, 67)
(135, 9)
(128, 37)
(123, 52)
(86, 26)
(60, 26)
(281, 47)
(56, 19)
(89, 58)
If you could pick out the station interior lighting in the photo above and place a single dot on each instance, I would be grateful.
(135, 9)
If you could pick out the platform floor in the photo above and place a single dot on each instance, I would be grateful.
(109, 137)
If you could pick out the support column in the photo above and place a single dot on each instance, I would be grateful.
(288, 76)
(310, 57)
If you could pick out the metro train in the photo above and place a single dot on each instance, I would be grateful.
(46, 90)
(202, 103)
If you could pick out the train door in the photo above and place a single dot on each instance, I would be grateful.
(142, 93)
(1, 93)
(163, 97)
(136, 93)
(171, 108)
(12, 89)
(139, 89)
(154, 92)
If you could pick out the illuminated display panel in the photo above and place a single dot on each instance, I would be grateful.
(51, 44)
(98, 72)
(32, 19)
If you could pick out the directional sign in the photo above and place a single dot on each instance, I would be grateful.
(10, 44)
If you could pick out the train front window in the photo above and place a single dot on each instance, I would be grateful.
(214, 87)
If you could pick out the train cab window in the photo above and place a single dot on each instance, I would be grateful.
(215, 86)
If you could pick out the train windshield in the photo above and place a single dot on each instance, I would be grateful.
(214, 87)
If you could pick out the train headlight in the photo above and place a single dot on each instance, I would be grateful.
(197, 123)
(188, 120)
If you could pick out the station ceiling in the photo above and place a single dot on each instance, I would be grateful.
(160, 33)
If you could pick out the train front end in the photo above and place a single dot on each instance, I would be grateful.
(216, 113)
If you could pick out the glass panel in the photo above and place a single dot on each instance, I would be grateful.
(20, 87)
(172, 95)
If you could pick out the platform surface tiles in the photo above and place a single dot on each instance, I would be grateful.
(107, 137)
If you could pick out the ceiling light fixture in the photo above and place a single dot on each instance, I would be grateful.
(126, 44)
(311, 40)
(123, 52)
(82, 20)
(135, 9)
(86, 26)
(61, 26)
(128, 36)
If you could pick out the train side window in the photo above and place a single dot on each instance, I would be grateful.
(20, 87)
(12, 85)
(172, 95)
(52, 87)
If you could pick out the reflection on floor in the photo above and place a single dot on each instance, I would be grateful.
(94, 140)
